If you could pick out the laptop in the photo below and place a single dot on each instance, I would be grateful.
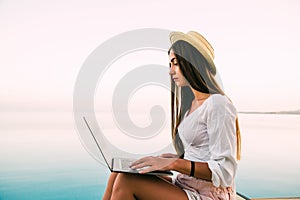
(121, 165)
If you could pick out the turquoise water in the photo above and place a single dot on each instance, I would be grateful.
(271, 162)
(43, 172)
(41, 157)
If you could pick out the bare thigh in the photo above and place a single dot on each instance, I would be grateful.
(146, 187)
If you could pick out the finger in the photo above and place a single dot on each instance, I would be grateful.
(143, 164)
(137, 162)
(139, 166)
(146, 170)
(140, 161)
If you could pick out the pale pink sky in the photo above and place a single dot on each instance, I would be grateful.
(44, 44)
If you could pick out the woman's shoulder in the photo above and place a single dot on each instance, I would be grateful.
(219, 101)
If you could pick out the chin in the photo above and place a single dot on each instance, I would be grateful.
(180, 84)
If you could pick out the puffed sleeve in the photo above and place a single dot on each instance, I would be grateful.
(221, 131)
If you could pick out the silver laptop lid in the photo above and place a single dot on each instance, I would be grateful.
(101, 144)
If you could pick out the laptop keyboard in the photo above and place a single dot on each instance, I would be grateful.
(126, 163)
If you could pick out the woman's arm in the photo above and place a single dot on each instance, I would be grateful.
(184, 166)
(221, 131)
(148, 164)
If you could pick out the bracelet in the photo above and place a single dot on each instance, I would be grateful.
(192, 168)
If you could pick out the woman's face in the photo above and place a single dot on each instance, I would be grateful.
(175, 71)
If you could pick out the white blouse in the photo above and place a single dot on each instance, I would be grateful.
(208, 135)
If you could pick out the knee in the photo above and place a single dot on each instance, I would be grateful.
(123, 182)
(123, 187)
(124, 179)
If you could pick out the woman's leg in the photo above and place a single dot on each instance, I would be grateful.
(109, 187)
(146, 187)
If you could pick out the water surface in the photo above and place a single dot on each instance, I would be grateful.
(41, 157)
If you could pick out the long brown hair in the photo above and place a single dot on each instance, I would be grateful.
(201, 77)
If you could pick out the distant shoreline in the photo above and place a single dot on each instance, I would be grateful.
(297, 112)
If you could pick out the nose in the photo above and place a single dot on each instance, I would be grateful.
(172, 70)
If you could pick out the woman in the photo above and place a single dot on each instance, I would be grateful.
(205, 134)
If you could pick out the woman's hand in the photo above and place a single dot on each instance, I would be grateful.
(169, 155)
(152, 163)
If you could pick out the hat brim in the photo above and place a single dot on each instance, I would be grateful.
(200, 45)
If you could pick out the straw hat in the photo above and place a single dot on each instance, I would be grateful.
(199, 42)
